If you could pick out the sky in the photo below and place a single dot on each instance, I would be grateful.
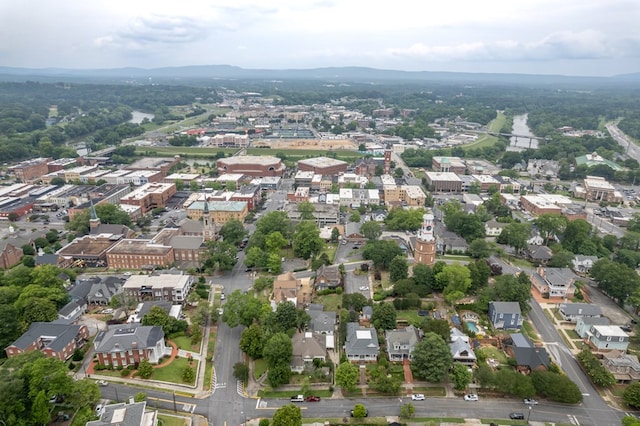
(568, 37)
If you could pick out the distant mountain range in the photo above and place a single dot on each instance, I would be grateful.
(201, 73)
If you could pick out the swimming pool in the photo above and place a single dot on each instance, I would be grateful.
(472, 326)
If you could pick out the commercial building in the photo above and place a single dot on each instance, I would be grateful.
(448, 164)
(486, 182)
(324, 214)
(90, 250)
(323, 166)
(250, 165)
(185, 178)
(150, 196)
(139, 254)
(220, 212)
(164, 165)
(443, 182)
(61, 163)
(545, 203)
(409, 195)
(169, 287)
(595, 188)
(227, 140)
(139, 177)
(357, 197)
(30, 170)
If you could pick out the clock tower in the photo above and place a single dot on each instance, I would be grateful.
(425, 252)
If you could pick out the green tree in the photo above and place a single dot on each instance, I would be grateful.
(188, 374)
(577, 238)
(515, 235)
(400, 219)
(508, 288)
(381, 252)
(455, 280)
(279, 374)
(460, 376)
(431, 358)
(556, 387)
(598, 374)
(550, 225)
(423, 277)
(347, 376)
(253, 340)
(221, 254)
(359, 411)
(479, 249)
(335, 235)
(272, 222)
(274, 242)
(194, 186)
(288, 415)
(355, 217)
(241, 309)
(40, 409)
(398, 269)
(306, 240)
(306, 210)
(616, 279)
(437, 326)
(179, 184)
(145, 369)
(278, 349)
(407, 410)
(85, 393)
(241, 371)
(561, 259)
(384, 316)
(631, 395)
(39, 310)
(233, 232)
(386, 384)
(371, 230)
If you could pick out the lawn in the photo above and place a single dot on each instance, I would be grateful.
(210, 152)
(270, 393)
(330, 250)
(166, 420)
(495, 125)
(259, 368)
(184, 343)
(411, 316)
(173, 372)
(330, 301)
(495, 353)
(431, 391)
(527, 328)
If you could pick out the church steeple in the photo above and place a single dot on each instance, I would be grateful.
(94, 221)
(208, 227)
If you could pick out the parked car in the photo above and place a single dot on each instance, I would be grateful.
(516, 416)
(471, 397)
(312, 398)
(102, 383)
(417, 397)
(99, 409)
(297, 398)
(364, 288)
(530, 401)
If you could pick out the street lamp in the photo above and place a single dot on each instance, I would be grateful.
(529, 413)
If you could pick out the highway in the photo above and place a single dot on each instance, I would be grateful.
(624, 141)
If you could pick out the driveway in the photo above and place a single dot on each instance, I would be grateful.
(609, 308)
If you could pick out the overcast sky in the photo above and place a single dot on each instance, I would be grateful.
(571, 37)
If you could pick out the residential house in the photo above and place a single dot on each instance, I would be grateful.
(96, 290)
(142, 309)
(624, 367)
(361, 344)
(400, 342)
(322, 322)
(583, 325)
(583, 264)
(538, 254)
(123, 414)
(462, 352)
(328, 277)
(307, 347)
(164, 286)
(505, 315)
(366, 314)
(447, 241)
(493, 228)
(573, 311)
(529, 357)
(72, 311)
(285, 288)
(123, 345)
(556, 282)
(608, 337)
(54, 339)
(352, 233)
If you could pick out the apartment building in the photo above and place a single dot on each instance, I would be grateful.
(150, 196)
(30, 170)
(168, 287)
(443, 182)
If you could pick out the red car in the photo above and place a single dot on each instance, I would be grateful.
(313, 399)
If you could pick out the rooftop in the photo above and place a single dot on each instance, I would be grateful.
(89, 245)
(251, 159)
(220, 206)
(140, 247)
(322, 162)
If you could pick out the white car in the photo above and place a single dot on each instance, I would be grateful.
(364, 288)
(417, 397)
(99, 409)
(471, 397)
(529, 401)
(102, 383)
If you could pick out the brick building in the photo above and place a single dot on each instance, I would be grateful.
(443, 182)
(30, 170)
(139, 254)
(257, 166)
(150, 196)
(323, 166)
(53, 339)
(448, 164)
(169, 287)
(128, 345)
(220, 212)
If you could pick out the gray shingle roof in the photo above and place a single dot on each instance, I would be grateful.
(403, 337)
(585, 309)
(506, 307)
(527, 354)
(321, 321)
(126, 337)
(121, 415)
(58, 335)
(361, 340)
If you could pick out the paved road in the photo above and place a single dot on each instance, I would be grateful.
(624, 141)
(593, 410)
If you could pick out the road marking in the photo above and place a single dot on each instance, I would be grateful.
(585, 394)
(573, 420)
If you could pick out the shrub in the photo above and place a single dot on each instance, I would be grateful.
(139, 397)
(77, 355)
(71, 366)
(125, 372)
(264, 422)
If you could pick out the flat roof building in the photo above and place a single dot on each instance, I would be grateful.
(443, 182)
(323, 165)
(252, 165)
(150, 196)
(170, 287)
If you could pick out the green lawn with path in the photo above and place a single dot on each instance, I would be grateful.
(173, 372)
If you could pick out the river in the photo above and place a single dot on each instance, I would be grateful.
(521, 128)
(138, 116)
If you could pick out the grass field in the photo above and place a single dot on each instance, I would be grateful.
(495, 125)
(259, 368)
(330, 301)
(184, 342)
(166, 420)
(173, 372)
(191, 151)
